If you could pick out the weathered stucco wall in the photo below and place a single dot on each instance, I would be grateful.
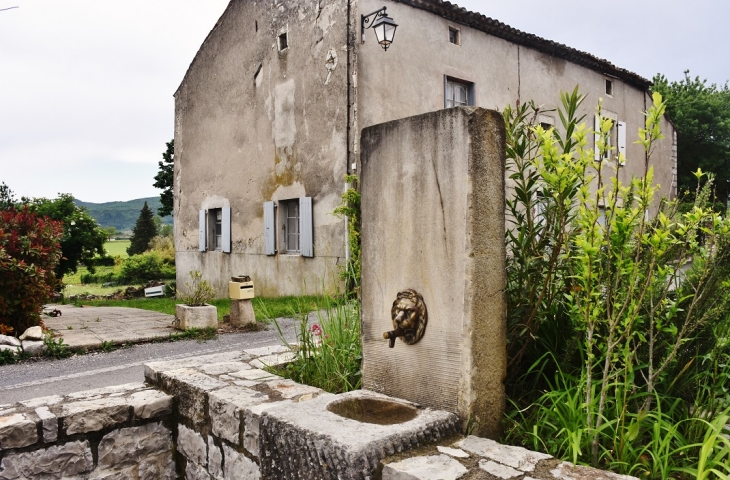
(433, 221)
(408, 80)
(255, 124)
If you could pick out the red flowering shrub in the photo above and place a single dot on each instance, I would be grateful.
(29, 251)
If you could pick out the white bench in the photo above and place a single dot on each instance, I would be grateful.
(158, 291)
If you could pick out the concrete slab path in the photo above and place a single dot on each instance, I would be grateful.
(88, 327)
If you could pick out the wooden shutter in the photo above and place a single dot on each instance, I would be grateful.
(597, 156)
(306, 237)
(201, 231)
(269, 229)
(622, 139)
(226, 230)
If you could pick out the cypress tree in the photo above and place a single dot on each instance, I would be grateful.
(144, 230)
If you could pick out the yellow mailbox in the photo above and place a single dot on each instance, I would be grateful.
(240, 288)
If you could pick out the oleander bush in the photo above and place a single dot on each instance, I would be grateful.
(618, 325)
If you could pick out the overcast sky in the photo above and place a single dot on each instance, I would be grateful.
(86, 85)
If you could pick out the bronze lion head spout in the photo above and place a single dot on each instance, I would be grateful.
(409, 317)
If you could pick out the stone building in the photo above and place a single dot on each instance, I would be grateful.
(269, 113)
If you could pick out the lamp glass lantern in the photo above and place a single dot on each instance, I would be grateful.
(384, 30)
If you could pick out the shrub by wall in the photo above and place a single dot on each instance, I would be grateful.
(30, 250)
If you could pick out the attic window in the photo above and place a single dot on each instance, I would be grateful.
(283, 41)
(609, 87)
(454, 36)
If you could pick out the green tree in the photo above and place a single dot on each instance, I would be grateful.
(111, 232)
(701, 114)
(7, 197)
(144, 231)
(164, 179)
(83, 238)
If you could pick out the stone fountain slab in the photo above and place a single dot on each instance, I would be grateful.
(307, 437)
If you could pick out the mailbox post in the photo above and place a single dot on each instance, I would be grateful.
(241, 291)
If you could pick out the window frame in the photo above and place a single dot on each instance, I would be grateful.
(291, 241)
(214, 230)
(469, 88)
(456, 35)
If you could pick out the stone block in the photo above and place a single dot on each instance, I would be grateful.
(49, 423)
(568, 471)
(453, 452)
(150, 404)
(34, 348)
(225, 406)
(515, 457)
(499, 470)
(195, 472)
(254, 374)
(57, 462)
(42, 401)
(215, 459)
(221, 368)
(17, 430)
(274, 360)
(444, 238)
(32, 333)
(127, 446)
(159, 467)
(125, 474)
(190, 388)
(10, 348)
(308, 435)
(192, 445)
(205, 316)
(94, 415)
(251, 425)
(242, 313)
(291, 390)
(9, 341)
(239, 467)
(113, 390)
(433, 467)
(268, 350)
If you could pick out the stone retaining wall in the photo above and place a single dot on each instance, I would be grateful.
(223, 417)
(118, 432)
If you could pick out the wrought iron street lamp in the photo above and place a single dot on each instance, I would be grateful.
(382, 24)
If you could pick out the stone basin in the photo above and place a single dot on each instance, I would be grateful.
(373, 410)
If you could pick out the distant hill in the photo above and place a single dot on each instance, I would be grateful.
(121, 215)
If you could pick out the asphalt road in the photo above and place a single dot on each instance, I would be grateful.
(42, 377)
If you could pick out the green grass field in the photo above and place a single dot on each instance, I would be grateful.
(264, 308)
(117, 247)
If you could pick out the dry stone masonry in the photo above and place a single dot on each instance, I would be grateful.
(124, 431)
(223, 417)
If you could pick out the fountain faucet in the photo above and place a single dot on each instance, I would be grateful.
(393, 334)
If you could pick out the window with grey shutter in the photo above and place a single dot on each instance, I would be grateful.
(201, 231)
(226, 230)
(306, 231)
(269, 229)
